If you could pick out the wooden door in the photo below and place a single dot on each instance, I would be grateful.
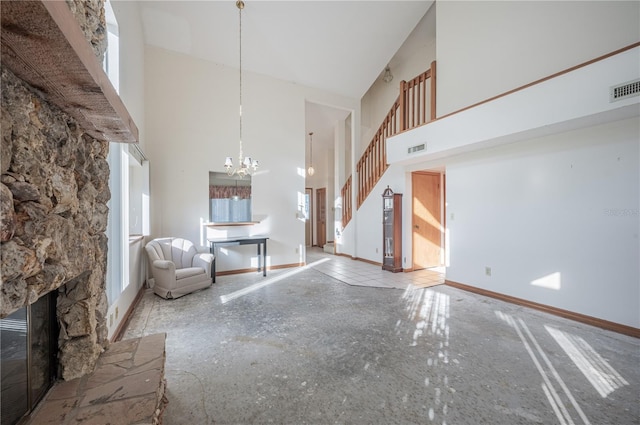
(308, 216)
(426, 220)
(321, 226)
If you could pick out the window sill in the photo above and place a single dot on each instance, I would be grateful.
(231, 223)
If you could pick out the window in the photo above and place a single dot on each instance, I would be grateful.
(229, 198)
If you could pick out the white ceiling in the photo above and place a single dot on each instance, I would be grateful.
(338, 46)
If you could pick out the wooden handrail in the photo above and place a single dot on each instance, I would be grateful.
(373, 162)
(346, 203)
(415, 106)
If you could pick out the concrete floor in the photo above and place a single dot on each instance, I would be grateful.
(311, 349)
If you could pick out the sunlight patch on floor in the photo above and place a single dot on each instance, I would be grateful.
(547, 371)
(251, 288)
(598, 372)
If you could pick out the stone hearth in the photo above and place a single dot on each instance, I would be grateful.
(127, 387)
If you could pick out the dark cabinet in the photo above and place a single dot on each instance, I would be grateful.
(392, 230)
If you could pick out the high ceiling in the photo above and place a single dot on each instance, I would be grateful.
(338, 46)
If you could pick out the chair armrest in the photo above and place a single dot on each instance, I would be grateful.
(204, 260)
(163, 264)
(164, 273)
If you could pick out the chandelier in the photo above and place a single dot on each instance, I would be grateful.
(246, 165)
(311, 170)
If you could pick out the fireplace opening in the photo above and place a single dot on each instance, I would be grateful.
(28, 353)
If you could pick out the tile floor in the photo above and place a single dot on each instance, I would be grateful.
(360, 273)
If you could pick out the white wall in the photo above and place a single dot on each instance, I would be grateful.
(369, 216)
(572, 100)
(131, 61)
(486, 48)
(363, 236)
(561, 210)
(557, 204)
(412, 59)
(192, 123)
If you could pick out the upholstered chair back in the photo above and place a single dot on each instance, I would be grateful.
(177, 250)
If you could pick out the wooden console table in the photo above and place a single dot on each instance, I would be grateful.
(260, 241)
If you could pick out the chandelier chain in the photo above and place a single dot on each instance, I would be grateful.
(246, 166)
(240, 5)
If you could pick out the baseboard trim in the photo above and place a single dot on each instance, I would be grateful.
(578, 317)
(119, 333)
(364, 260)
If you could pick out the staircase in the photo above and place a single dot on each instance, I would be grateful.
(416, 101)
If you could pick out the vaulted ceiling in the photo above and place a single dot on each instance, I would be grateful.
(337, 46)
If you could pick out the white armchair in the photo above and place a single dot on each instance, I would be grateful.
(177, 267)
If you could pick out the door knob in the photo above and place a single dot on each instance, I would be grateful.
(416, 226)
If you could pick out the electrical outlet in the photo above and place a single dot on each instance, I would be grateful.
(452, 216)
(297, 250)
(111, 320)
(116, 313)
(376, 250)
(487, 271)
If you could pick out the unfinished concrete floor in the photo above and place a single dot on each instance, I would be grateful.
(311, 349)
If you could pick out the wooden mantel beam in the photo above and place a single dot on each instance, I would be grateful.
(42, 44)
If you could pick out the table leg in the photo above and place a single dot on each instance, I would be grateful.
(213, 264)
(264, 254)
(259, 257)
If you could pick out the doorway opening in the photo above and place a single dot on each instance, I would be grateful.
(321, 221)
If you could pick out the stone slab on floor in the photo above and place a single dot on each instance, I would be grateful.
(127, 387)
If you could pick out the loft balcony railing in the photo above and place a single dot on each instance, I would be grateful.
(415, 106)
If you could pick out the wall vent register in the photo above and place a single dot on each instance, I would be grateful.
(624, 91)
(417, 148)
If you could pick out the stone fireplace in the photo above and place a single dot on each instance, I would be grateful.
(53, 209)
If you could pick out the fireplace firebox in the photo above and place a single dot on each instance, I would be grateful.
(29, 341)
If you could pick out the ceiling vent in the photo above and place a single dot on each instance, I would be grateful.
(416, 148)
(623, 91)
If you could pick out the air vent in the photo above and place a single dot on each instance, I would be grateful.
(416, 148)
(623, 91)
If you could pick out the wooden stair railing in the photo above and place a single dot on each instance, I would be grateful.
(346, 203)
(413, 99)
(416, 101)
(373, 162)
